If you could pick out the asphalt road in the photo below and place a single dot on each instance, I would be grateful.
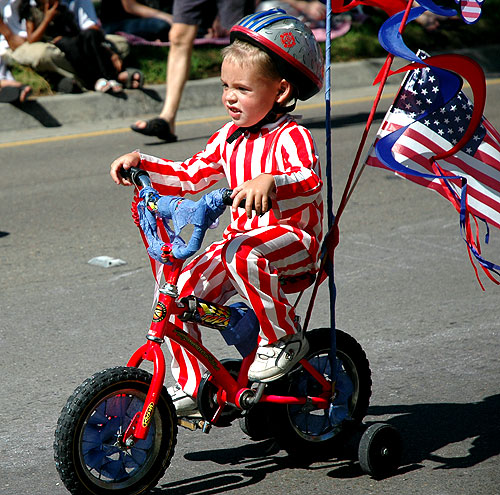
(406, 292)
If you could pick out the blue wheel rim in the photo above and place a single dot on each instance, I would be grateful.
(320, 424)
(105, 458)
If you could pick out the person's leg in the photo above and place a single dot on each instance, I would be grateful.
(41, 57)
(255, 262)
(231, 11)
(206, 278)
(120, 44)
(95, 58)
(182, 37)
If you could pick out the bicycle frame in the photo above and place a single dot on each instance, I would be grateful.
(231, 391)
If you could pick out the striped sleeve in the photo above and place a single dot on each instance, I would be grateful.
(195, 174)
(298, 179)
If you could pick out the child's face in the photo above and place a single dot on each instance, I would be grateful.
(248, 95)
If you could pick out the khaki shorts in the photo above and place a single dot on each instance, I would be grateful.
(41, 57)
(46, 57)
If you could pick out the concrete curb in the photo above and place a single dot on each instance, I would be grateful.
(60, 110)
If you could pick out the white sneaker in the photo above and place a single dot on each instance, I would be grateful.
(184, 403)
(275, 360)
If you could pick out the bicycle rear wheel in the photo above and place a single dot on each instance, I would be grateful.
(88, 451)
(308, 432)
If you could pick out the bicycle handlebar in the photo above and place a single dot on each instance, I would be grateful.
(201, 214)
(137, 176)
(141, 179)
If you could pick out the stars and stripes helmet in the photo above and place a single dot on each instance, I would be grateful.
(291, 45)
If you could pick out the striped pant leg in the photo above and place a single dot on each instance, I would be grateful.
(205, 277)
(255, 261)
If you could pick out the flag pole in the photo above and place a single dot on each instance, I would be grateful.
(332, 237)
(385, 74)
(330, 203)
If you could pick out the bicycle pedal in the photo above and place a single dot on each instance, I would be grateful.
(191, 424)
(195, 422)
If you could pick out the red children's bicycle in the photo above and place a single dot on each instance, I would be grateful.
(118, 430)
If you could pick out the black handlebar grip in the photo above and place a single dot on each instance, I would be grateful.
(226, 197)
(137, 176)
(227, 200)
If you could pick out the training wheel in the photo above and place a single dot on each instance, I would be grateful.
(379, 450)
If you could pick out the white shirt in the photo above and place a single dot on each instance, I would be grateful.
(9, 9)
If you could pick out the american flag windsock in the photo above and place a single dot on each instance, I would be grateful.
(422, 124)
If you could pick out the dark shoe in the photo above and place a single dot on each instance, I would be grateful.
(69, 86)
(13, 94)
(133, 76)
(156, 127)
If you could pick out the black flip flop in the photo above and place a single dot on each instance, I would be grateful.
(129, 82)
(156, 127)
(12, 94)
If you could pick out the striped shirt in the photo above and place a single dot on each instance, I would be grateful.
(284, 149)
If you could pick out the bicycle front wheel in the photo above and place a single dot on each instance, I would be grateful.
(88, 451)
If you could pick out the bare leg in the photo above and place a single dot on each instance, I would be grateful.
(179, 61)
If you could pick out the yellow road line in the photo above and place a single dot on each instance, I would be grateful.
(204, 120)
(303, 106)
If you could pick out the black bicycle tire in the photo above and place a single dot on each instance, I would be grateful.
(71, 422)
(287, 434)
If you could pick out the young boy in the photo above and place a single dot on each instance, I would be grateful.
(264, 154)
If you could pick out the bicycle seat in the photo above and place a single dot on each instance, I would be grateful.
(297, 283)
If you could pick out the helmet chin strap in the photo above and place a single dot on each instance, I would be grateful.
(272, 116)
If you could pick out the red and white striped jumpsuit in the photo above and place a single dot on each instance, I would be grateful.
(254, 253)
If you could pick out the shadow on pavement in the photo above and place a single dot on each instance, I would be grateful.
(39, 113)
(252, 463)
(425, 429)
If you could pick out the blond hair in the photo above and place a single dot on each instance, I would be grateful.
(244, 54)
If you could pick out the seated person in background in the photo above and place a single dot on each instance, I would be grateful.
(150, 19)
(94, 59)
(11, 91)
(47, 58)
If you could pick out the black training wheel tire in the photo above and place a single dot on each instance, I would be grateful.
(89, 458)
(305, 432)
(379, 450)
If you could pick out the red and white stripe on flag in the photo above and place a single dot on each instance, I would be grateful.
(420, 142)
